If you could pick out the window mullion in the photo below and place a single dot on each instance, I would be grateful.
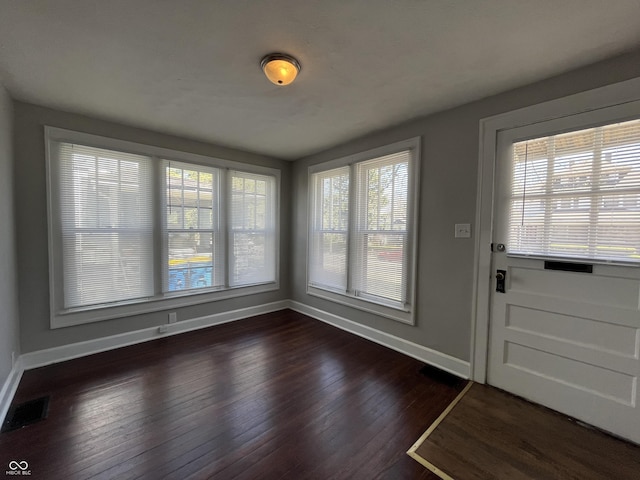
(351, 226)
(225, 228)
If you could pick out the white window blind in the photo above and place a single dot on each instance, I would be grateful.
(252, 233)
(379, 262)
(106, 224)
(329, 234)
(577, 195)
(194, 244)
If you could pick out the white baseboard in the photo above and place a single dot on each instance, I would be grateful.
(432, 357)
(75, 350)
(48, 356)
(9, 388)
(41, 358)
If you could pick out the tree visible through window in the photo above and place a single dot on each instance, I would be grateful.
(381, 232)
(329, 237)
(360, 235)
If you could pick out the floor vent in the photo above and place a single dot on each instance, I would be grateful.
(441, 376)
(25, 414)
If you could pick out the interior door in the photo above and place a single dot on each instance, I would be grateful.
(565, 326)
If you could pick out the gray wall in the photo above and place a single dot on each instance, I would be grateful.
(448, 196)
(31, 227)
(9, 326)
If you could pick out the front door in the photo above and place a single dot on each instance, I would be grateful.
(565, 301)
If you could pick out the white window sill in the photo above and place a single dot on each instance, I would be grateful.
(403, 315)
(79, 316)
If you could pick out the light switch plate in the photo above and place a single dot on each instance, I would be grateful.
(463, 230)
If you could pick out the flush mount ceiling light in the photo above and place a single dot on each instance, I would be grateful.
(280, 69)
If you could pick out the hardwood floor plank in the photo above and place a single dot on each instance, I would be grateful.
(491, 434)
(274, 396)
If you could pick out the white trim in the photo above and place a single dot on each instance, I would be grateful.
(82, 316)
(40, 358)
(432, 357)
(412, 143)
(49, 356)
(9, 388)
(369, 306)
(148, 150)
(599, 98)
(81, 349)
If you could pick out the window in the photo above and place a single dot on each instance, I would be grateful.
(329, 235)
(133, 231)
(577, 194)
(361, 239)
(195, 254)
(252, 234)
(106, 229)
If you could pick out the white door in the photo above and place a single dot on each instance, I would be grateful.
(566, 331)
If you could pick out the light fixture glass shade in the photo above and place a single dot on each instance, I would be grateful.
(280, 69)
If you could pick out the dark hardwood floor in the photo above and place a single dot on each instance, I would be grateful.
(278, 396)
(493, 435)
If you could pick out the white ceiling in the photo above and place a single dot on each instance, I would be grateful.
(191, 67)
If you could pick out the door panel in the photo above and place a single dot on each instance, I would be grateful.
(567, 340)
(577, 354)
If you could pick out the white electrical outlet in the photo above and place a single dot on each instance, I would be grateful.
(163, 329)
(463, 230)
(173, 317)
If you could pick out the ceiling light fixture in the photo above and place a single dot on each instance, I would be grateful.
(280, 69)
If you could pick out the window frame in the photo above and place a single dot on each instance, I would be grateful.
(94, 229)
(316, 226)
(407, 313)
(269, 230)
(60, 317)
(214, 230)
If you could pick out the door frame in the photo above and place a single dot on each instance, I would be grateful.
(607, 96)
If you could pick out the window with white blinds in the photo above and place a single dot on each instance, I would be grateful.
(361, 234)
(192, 237)
(577, 195)
(106, 229)
(252, 235)
(129, 230)
(329, 235)
(380, 261)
